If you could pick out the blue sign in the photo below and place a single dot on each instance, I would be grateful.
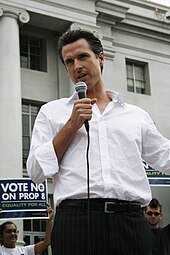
(22, 198)
(155, 177)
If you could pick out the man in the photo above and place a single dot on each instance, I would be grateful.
(154, 214)
(104, 217)
(9, 236)
(161, 236)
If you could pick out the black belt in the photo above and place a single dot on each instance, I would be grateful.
(103, 205)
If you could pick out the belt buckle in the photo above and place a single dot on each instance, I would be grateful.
(106, 207)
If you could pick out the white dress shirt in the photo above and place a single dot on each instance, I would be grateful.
(120, 138)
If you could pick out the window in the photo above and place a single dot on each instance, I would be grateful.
(29, 113)
(32, 53)
(137, 77)
(34, 230)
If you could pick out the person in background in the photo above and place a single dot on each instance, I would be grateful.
(154, 214)
(160, 235)
(107, 217)
(9, 236)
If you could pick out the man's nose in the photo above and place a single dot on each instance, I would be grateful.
(77, 65)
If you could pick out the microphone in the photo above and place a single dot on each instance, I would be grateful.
(81, 88)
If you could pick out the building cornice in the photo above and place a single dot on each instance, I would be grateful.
(19, 14)
(111, 12)
(134, 13)
(59, 10)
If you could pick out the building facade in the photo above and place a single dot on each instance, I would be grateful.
(136, 39)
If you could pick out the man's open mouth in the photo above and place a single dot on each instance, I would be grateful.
(80, 75)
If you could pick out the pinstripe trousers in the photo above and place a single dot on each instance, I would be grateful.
(125, 233)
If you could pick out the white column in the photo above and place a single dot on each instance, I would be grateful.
(10, 93)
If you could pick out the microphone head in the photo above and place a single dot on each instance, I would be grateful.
(81, 87)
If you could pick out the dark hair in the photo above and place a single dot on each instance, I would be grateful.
(154, 203)
(73, 35)
(3, 227)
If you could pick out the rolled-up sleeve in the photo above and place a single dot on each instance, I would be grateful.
(42, 161)
(156, 148)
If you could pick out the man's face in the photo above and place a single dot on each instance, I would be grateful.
(153, 216)
(81, 63)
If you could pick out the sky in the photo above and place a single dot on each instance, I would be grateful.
(164, 2)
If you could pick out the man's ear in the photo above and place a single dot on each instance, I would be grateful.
(161, 215)
(101, 57)
(144, 213)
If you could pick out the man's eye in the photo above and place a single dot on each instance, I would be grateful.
(83, 56)
(69, 61)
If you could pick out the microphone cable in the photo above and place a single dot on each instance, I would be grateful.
(81, 89)
(88, 189)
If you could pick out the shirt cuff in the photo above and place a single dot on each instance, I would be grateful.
(47, 159)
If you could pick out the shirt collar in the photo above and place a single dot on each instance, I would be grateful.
(73, 97)
(114, 95)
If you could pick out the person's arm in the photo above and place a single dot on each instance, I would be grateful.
(155, 147)
(40, 164)
(41, 246)
(62, 140)
(82, 111)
